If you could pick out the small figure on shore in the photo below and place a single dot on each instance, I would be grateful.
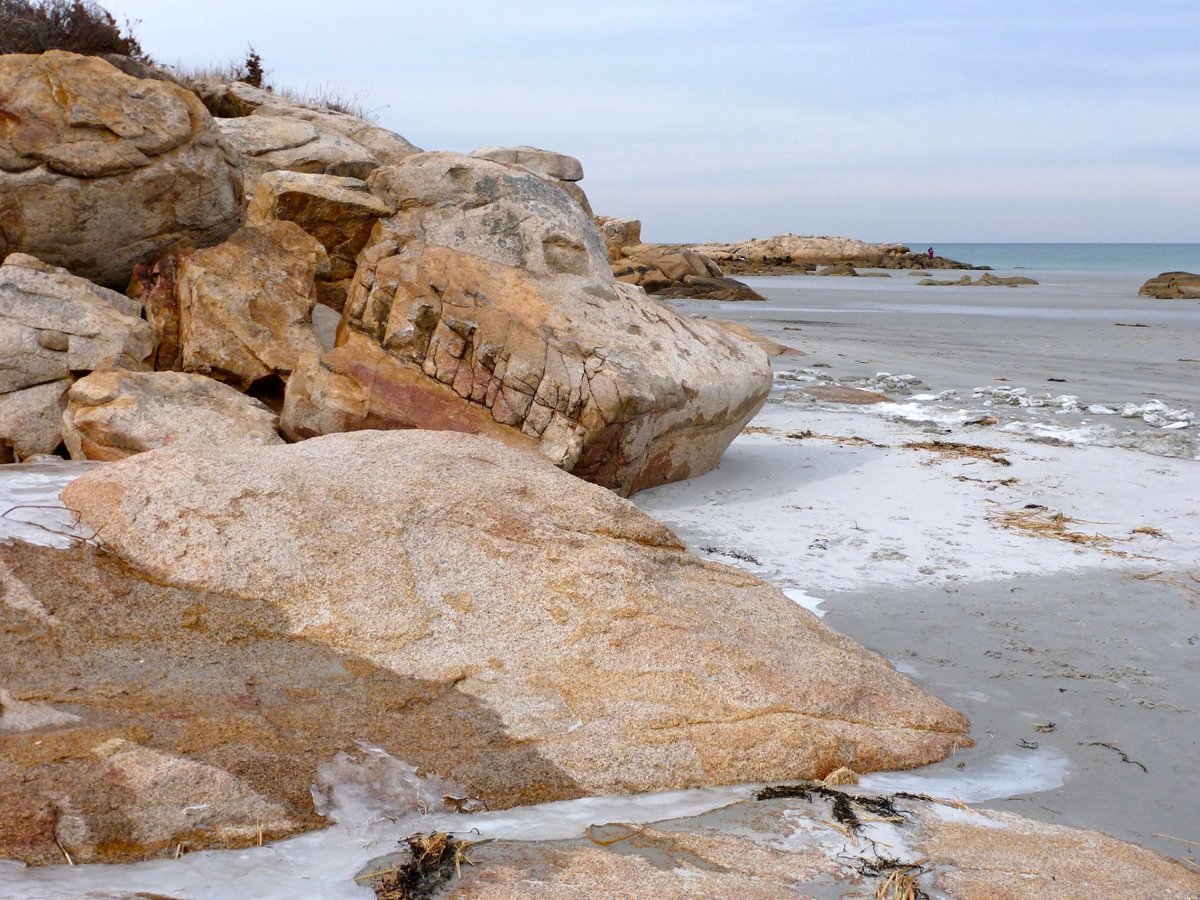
(930, 252)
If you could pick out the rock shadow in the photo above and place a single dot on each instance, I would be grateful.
(214, 680)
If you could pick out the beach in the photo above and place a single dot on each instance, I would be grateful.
(944, 562)
(1072, 644)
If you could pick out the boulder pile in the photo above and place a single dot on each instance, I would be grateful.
(369, 415)
(472, 293)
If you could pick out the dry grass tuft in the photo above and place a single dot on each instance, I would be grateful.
(434, 857)
(961, 451)
(1037, 521)
(901, 884)
(839, 777)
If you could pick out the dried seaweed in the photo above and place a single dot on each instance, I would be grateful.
(1037, 521)
(1124, 758)
(731, 554)
(842, 440)
(841, 804)
(436, 857)
(954, 448)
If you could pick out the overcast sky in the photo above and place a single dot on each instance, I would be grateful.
(976, 120)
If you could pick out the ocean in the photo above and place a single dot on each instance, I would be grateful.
(1145, 259)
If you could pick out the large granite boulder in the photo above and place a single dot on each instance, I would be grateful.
(54, 326)
(115, 413)
(245, 306)
(267, 143)
(1172, 286)
(486, 304)
(338, 212)
(99, 170)
(583, 629)
(237, 100)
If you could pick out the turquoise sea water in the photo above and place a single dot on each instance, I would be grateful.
(1147, 259)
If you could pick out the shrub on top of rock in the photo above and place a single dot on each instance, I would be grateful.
(35, 26)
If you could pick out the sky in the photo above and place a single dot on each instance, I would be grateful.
(976, 120)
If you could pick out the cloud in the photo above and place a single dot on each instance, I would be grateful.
(774, 115)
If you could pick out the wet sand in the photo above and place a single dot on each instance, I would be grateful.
(907, 552)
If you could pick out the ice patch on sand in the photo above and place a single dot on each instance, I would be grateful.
(809, 602)
(30, 509)
(999, 778)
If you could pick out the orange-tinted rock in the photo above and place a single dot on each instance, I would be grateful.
(452, 559)
(490, 286)
(99, 170)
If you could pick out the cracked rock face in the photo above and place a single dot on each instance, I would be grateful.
(114, 414)
(53, 327)
(561, 609)
(338, 212)
(99, 170)
(486, 304)
(244, 308)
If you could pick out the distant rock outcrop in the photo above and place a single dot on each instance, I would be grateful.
(99, 171)
(1172, 286)
(791, 254)
(987, 279)
(667, 271)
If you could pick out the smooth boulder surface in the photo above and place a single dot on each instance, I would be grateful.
(1172, 286)
(486, 304)
(245, 306)
(114, 414)
(583, 626)
(546, 163)
(54, 326)
(141, 720)
(99, 170)
(338, 212)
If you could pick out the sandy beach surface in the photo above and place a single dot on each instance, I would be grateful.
(1073, 644)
